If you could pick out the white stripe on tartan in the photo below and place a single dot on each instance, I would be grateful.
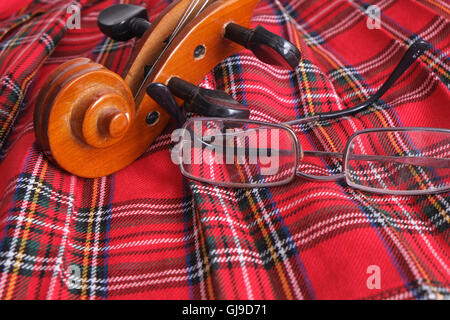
(45, 26)
(432, 30)
(32, 259)
(356, 82)
(140, 243)
(49, 192)
(207, 189)
(97, 222)
(15, 40)
(397, 242)
(425, 239)
(252, 256)
(38, 223)
(12, 252)
(138, 209)
(97, 37)
(202, 283)
(232, 229)
(397, 201)
(328, 226)
(58, 272)
(20, 130)
(380, 60)
(389, 120)
(160, 141)
(196, 271)
(277, 243)
(242, 261)
(322, 11)
(443, 3)
(17, 58)
(8, 83)
(352, 18)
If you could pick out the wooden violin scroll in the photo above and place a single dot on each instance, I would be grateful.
(82, 109)
(93, 122)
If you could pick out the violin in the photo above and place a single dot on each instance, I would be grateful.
(93, 122)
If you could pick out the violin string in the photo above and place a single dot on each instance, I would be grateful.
(182, 22)
(205, 4)
(185, 17)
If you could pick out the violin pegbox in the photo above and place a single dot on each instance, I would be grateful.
(93, 122)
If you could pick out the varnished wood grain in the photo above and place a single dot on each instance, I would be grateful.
(87, 117)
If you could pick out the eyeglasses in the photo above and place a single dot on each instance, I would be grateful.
(252, 154)
(245, 153)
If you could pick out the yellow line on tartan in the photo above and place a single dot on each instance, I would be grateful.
(297, 42)
(3, 129)
(434, 64)
(88, 241)
(421, 270)
(414, 173)
(22, 91)
(439, 6)
(284, 282)
(349, 81)
(266, 237)
(377, 113)
(302, 66)
(205, 254)
(308, 91)
(20, 255)
(105, 56)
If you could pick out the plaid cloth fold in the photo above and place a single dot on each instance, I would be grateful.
(145, 232)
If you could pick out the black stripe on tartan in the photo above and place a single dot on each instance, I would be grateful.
(14, 24)
(84, 237)
(8, 108)
(312, 38)
(374, 213)
(220, 244)
(281, 243)
(439, 220)
(441, 59)
(109, 44)
(225, 72)
(25, 196)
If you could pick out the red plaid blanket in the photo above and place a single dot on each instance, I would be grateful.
(145, 232)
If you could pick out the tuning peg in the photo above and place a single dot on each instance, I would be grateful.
(209, 103)
(123, 22)
(265, 45)
(162, 95)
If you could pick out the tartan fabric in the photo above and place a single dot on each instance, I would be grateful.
(145, 232)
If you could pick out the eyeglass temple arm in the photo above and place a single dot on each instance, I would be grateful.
(411, 55)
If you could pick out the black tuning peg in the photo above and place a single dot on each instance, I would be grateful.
(206, 102)
(265, 45)
(162, 95)
(209, 103)
(123, 22)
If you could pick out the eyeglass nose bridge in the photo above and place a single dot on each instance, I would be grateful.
(334, 177)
